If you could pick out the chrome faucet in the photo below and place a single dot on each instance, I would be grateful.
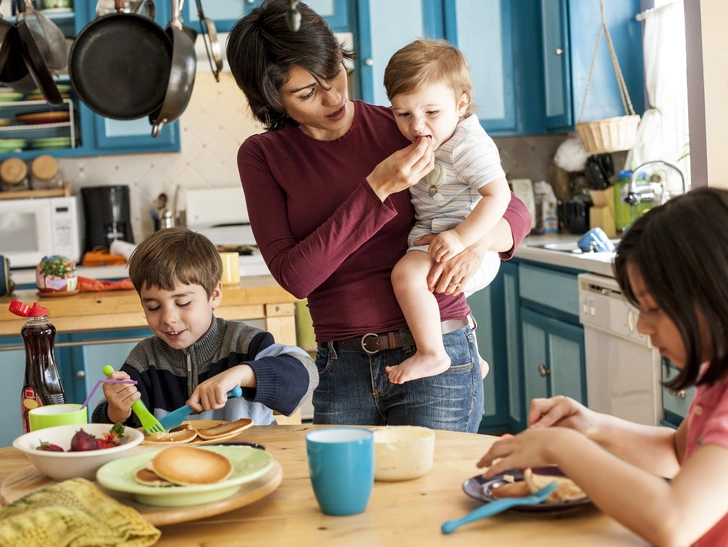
(650, 191)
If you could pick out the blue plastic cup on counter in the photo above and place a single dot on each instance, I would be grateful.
(596, 241)
(341, 462)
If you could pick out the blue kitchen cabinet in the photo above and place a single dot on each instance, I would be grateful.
(225, 13)
(553, 358)
(384, 27)
(495, 310)
(497, 38)
(12, 366)
(569, 31)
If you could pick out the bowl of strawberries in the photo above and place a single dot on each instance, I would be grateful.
(70, 451)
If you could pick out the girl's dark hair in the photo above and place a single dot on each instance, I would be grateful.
(681, 250)
(262, 51)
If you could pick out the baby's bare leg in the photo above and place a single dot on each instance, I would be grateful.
(420, 308)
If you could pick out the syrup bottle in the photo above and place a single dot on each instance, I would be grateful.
(42, 384)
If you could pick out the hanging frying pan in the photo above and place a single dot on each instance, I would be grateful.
(14, 72)
(34, 60)
(120, 63)
(181, 75)
(6, 28)
(212, 44)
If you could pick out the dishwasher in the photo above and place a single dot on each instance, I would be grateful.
(623, 370)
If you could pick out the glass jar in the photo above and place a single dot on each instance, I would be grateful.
(45, 173)
(14, 175)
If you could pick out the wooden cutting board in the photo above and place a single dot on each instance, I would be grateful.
(30, 479)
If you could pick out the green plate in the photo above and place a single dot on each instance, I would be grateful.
(248, 465)
(10, 97)
(51, 142)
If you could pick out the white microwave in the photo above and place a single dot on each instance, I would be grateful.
(33, 228)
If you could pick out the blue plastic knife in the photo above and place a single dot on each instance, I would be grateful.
(176, 417)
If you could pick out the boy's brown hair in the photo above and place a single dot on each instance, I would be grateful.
(429, 62)
(175, 255)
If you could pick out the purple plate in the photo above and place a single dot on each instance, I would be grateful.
(481, 489)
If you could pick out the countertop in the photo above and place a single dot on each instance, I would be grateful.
(255, 297)
(598, 263)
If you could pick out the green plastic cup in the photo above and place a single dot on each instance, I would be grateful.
(55, 415)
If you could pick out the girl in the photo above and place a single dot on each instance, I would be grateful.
(672, 265)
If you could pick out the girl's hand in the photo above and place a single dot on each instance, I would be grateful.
(563, 412)
(403, 169)
(446, 245)
(120, 397)
(212, 393)
(532, 448)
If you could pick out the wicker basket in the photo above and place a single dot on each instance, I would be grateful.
(609, 135)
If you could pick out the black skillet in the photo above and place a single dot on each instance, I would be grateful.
(181, 75)
(6, 28)
(119, 65)
(14, 71)
(34, 60)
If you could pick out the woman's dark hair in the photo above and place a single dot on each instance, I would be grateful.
(681, 251)
(261, 51)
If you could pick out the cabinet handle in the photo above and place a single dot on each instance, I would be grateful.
(369, 62)
(678, 393)
(559, 51)
(81, 374)
(543, 370)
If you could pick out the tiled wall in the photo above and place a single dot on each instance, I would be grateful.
(213, 126)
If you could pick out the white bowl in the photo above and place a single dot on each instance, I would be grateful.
(68, 465)
(403, 452)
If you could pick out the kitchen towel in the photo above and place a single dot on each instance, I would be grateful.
(73, 513)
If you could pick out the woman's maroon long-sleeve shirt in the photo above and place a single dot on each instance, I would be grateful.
(324, 233)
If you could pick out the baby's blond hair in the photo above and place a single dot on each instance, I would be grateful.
(429, 62)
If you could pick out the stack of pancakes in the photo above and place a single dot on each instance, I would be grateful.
(184, 466)
(185, 433)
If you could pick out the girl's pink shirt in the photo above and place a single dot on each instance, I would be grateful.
(708, 424)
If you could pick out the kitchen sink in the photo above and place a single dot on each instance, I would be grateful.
(564, 246)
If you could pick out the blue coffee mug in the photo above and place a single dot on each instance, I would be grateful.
(341, 462)
(596, 241)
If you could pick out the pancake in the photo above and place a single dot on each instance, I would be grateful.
(150, 478)
(567, 490)
(188, 466)
(512, 490)
(224, 430)
(181, 434)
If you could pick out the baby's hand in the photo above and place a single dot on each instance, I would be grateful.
(120, 397)
(212, 393)
(446, 245)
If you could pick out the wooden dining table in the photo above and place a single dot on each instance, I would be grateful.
(399, 513)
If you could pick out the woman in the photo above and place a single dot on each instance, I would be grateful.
(326, 193)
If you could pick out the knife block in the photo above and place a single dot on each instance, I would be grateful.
(601, 215)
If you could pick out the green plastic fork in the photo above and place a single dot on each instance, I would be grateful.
(150, 424)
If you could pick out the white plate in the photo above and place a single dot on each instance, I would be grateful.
(248, 464)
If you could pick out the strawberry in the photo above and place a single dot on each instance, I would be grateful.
(82, 442)
(49, 447)
(103, 443)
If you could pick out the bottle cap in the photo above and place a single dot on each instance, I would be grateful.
(23, 310)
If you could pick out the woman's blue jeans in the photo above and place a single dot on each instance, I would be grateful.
(354, 388)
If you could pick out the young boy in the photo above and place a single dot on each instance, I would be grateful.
(195, 358)
(429, 85)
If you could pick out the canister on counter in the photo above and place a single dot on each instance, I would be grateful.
(44, 173)
(14, 175)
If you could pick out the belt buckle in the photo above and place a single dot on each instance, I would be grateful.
(364, 343)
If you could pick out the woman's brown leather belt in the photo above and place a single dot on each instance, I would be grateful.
(373, 342)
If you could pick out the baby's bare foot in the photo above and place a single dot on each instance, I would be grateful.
(420, 365)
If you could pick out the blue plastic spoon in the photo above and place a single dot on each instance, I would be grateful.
(498, 506)
(176, 417)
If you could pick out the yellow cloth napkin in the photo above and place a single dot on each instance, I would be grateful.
(73, 513)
